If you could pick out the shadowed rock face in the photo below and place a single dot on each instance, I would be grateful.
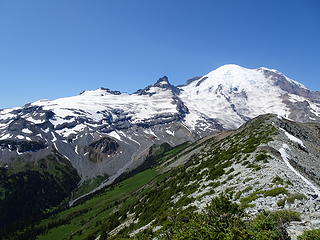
(105, 145)
(281, 81)
(103, 150)
(22, 146)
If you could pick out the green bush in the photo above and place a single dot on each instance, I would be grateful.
(262, 157)
(310, 235)
(295, 196)
(278, 180)
(271, 225)
(275, 192)
(225, 220)
(253, 196)
(281, 202)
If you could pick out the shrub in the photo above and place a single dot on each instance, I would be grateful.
(281, 202)
(253, 196)
(292, 197)
(310, 235)
(275, 192)
(225, 220)
(278, 180)
(272, 225)
(262, 157)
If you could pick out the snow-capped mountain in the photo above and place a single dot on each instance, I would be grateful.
(230, 95)
(109, 132)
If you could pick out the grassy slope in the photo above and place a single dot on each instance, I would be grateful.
(110, 208)
(86, 218)
(148, 195)
(88, 186)
(89, 215)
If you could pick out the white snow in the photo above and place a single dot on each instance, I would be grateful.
(6, 136)
(288, 79)
(55, 145)
(314, 108)
(248, 90)
(46, 130)
(115, 135)
(150, 132)
(26, 130)
(170, 132)
(67, 157)
(127, 136)
(293, 138)
(54, 137)
(39, 135)
(65, 132)
(215, 96)
(35, 121)
(76, 149)
(283, 151)
(91, 104)
(5, 125)
(19, 153)
(20, 137)
(6, 113)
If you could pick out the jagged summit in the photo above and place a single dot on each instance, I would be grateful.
(162, 81)
(100, 91)
(161, 85)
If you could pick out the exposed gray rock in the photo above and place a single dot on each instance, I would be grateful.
(112, 139)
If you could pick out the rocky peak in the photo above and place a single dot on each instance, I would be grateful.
(110, 91)
(101, 91)
(162, 83)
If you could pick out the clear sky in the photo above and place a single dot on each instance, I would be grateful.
(57, 48)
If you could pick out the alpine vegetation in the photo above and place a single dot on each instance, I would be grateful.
(234, 154)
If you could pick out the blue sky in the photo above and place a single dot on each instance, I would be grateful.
(51, 49)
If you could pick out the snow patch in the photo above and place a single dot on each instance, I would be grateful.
(283, 151)
(293, 138)
(76, 149)
(170, 132)
(150, 132)
(54, 137)
(26, 130)
(115, 135)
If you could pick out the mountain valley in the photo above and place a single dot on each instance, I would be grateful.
(112, 165)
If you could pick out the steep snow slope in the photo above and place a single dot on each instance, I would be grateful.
(230, 95)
